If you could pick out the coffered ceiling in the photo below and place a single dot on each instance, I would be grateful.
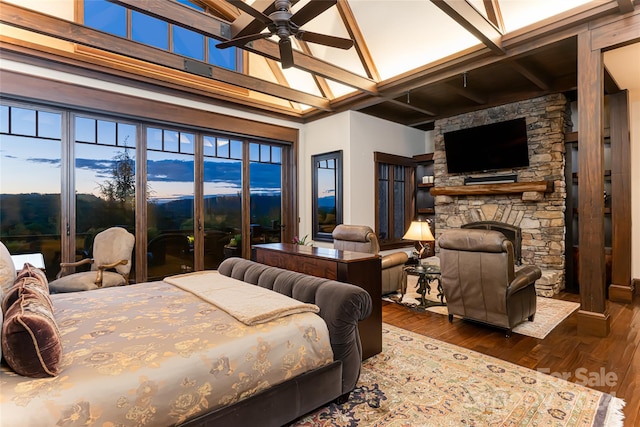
(413, 61)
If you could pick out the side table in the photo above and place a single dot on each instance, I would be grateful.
(426, 275)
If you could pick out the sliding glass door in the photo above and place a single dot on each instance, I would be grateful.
(265, 188)
(190, 196)
(170, 202)
(30, 183)
(105, 178)
(222, 200)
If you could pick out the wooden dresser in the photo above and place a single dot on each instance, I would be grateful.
(360, 269)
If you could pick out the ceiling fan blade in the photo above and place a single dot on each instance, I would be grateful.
(311, 10)
(256, 26)
(324, 39)
(286, 53)
(251, 11)
(241, 41)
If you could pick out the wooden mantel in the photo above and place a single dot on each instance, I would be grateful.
(502, 188)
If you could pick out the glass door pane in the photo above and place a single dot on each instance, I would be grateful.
(170, 202)
(30, 183)
(105, 180)
(265, 187)
(222, 200)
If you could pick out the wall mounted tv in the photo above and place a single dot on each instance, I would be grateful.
(495, 146)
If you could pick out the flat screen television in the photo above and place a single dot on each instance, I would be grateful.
(495, 146)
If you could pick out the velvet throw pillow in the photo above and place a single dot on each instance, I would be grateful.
(31, 286)
(30, 280)
(31, 343)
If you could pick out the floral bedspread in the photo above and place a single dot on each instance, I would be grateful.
(154, 355)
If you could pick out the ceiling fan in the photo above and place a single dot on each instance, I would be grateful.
(282, 23)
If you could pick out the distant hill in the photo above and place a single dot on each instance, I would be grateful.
(39, 214)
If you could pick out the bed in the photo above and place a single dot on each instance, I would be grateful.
(160, 353)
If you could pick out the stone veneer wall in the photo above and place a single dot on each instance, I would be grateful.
(539, 215)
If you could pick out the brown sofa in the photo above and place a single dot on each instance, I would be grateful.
(361, 238)
(479, 279)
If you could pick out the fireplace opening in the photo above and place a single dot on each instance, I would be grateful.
(511, 232)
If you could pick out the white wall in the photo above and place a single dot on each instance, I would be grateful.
(369, 134)
(321, 136)
(358, 135)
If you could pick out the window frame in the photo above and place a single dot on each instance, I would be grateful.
(91, 102)
(409, 204)
(336, 156)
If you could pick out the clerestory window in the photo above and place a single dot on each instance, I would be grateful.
(137, 26)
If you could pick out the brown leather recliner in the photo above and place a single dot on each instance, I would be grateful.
(479, 280)
(361, 238)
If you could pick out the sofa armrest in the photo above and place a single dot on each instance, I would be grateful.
(396, 258)
(526, 276)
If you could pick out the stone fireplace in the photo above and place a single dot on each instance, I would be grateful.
(539, 215)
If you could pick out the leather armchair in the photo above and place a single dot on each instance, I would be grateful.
(479, 278)
(361, 238)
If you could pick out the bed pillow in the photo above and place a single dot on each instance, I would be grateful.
(7, 269)
(26, 286)
(30, 338)
(29, 270)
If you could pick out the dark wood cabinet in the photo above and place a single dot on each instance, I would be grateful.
(360, 269)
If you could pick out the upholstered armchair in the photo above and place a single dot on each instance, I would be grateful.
(361, 238)
(112, 250)
(479, 278)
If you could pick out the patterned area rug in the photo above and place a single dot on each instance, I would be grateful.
(549, 312)
(419, 381)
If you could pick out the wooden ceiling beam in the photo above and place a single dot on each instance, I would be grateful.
(430, 112)
(320, 82)
(220, 8)
(472, 95)
(473, 21)
(625, 6)
(545, 33)
(47, 25)
(530, 75)
(360, 44)
(213, 27)
(494, 14)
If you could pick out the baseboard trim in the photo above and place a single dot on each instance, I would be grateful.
(594, 324)
(621, 293)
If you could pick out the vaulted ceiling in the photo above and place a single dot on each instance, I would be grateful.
(413, 61)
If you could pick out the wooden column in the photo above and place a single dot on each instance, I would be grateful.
(593, 316)
(621, 287)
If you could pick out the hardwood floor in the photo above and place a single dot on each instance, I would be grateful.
(610, 364)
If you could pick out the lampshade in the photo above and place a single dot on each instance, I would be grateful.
(419, 231)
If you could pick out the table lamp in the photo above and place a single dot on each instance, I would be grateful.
(420, 231)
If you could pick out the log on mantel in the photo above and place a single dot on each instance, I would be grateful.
(503, 188)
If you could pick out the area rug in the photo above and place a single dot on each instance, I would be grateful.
(419, 381)
(549, 312)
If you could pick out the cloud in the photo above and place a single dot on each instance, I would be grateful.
(45, 161)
